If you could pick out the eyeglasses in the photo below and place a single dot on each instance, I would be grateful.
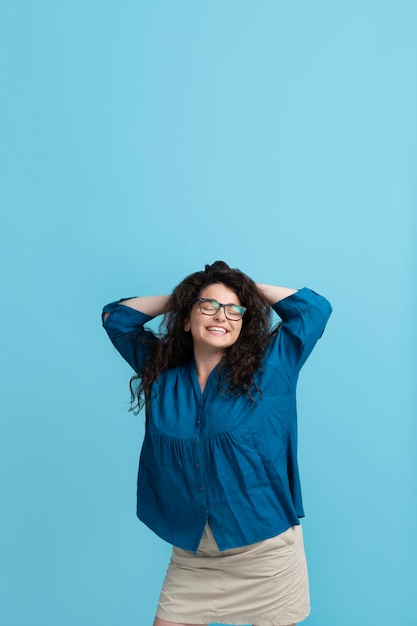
(233, 312)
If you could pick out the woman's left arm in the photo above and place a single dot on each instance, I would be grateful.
(304, 316)
(275, 294)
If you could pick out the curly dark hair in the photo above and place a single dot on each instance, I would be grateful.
(174, 346)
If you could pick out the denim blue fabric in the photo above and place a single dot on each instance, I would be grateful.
(218, 458)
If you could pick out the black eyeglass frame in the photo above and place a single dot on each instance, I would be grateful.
(201, 300)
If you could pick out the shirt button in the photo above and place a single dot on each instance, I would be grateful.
(195, 442)
(197, 466)
(201, 488)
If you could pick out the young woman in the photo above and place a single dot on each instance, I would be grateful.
(218, 475)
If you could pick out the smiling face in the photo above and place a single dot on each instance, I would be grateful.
(213, 333)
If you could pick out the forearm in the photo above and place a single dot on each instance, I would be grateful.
(156, 305)
(274, 294)
(151, 305)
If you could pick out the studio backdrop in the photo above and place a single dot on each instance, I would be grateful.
(139, 141)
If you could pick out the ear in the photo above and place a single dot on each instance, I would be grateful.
(187, 325)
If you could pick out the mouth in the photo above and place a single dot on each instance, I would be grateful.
(217, 330)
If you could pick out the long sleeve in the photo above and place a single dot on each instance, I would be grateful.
(304, 315)
(125, 327)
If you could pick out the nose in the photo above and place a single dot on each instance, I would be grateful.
(220, 314)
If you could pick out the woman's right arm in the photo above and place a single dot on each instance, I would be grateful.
(124, 322)
(150, 305)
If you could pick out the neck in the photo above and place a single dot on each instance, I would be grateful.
(205, 364)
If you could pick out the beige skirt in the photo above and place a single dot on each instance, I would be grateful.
(265, 583)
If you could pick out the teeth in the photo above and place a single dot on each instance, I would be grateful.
(216, 329)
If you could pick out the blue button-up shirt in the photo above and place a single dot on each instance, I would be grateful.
(218, 458)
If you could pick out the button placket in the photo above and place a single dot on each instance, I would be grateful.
(197, 459)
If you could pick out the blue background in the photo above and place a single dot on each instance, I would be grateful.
(139, 141)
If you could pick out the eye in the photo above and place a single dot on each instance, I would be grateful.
(209, 305)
